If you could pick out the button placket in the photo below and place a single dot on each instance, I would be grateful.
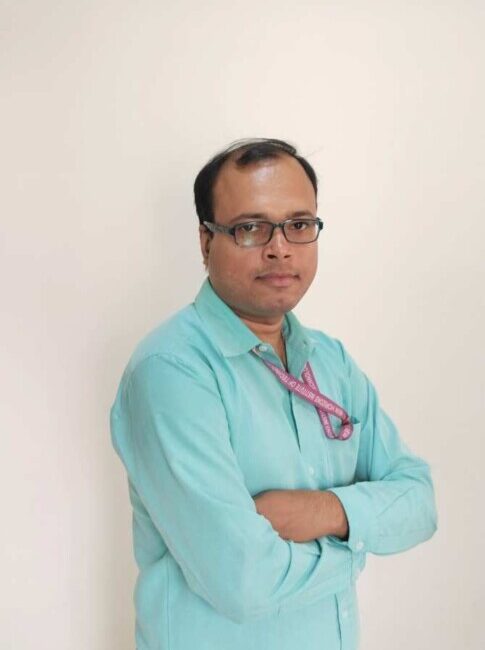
(269, 353)
(343, 616)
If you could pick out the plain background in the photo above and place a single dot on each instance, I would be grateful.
(108, 110)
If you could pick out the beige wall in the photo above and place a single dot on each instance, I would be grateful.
(108, 110)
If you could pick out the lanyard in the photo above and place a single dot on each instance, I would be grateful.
(309, 391)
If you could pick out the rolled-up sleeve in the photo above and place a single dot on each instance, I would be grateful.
(391, 507)
(169, 428)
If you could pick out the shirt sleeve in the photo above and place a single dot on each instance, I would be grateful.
(169, 428)
(391, 507)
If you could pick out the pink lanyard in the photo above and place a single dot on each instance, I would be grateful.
(309, 391)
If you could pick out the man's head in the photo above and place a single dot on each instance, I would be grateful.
(256, 180)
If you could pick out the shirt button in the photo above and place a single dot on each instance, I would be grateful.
(311, 470)
(263, 348)
(345, 613)
(360, 545)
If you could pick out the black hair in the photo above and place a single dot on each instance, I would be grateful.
(243, 152)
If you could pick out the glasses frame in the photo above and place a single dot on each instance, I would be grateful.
(231, 230)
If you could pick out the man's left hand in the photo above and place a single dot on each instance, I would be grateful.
(303, 515)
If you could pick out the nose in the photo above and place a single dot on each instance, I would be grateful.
(278, 246)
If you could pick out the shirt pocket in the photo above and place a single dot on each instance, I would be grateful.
(342, 456)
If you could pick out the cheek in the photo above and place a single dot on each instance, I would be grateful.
(314, 257)
(233, 266)
(309, 263)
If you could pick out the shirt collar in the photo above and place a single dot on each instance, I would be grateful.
(233, 336)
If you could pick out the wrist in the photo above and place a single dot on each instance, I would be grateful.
(333, 516)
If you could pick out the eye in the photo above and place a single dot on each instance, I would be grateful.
(300, 225)
(248, 227)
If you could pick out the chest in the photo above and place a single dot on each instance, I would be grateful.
(277, 436)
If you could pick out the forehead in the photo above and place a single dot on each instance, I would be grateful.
(272, 186)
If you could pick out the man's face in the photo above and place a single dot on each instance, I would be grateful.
(279, 189)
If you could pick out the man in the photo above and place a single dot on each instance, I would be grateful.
(261, 466)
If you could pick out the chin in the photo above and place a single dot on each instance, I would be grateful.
(279, 306)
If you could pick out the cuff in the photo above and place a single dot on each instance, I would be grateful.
(361, 525)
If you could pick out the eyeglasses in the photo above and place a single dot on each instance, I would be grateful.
(259, 233)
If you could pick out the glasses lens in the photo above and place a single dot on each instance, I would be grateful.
(252, 234)
(301, 231)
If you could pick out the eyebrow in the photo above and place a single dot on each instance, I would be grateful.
(254, 216)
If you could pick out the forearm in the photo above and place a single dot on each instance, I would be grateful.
(303, 515)
(389, 516)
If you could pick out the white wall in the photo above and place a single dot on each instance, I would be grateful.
(108, 110)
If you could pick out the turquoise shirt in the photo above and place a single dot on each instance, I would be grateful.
(201, 426)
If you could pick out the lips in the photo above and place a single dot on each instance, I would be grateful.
(279, 276)
(278, 279)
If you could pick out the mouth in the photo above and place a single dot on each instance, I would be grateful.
(278, 279)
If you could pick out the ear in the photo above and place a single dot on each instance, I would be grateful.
(205, 237)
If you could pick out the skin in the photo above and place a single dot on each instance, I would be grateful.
(277, 189)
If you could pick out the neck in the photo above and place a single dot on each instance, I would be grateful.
(269, 331)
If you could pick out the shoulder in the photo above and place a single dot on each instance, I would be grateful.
(180, 340)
